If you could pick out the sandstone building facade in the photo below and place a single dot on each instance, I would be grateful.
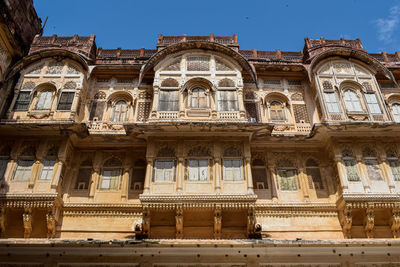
(200, 140)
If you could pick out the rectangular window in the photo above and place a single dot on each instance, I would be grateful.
(3, 168)
(110, 179)
(259, 176)
(164, 170)
(23, 171)
(395, 167)
(47, 169)
(168, 100)
(373, 104)
(351, 170)
(83, 180)
(227, 100)
(138, 176)
(233, 170)
(331, 102)
(23, 100)
(198, 170)
(66, 100)
(287, 180)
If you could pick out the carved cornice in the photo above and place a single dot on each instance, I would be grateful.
(30, 200)
(102, 213)
(197, 198)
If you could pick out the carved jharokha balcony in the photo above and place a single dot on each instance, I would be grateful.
(199, 115)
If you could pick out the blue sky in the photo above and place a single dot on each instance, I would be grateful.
(264, 25)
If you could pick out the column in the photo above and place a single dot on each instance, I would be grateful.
(179, 175)
(27, 220)
(363, 173)
(125, 182)
(147, 178)
(153, 114)
(56, 177)
(341, 171)
(304, 184)
(326, 174)
(274, 192)
(387, 173)
(35, 172)
(75, 105)
(242, 110)
(181, 103)
(249, 176)
(217, 174)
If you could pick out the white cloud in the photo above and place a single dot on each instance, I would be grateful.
(387, 26)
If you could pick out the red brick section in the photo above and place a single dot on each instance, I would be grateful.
(86, 46)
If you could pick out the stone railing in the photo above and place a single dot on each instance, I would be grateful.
(165, 115)
(303, 128)
(228, 115)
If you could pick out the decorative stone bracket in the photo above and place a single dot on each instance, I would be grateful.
(395, 222)
(347, 221)
(369, 222)
(27, 220)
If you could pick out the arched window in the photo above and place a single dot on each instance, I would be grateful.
(276, 111)
(314, 175)
(394, 164)
(198, 98)
(372, 165)
(227, 96)
(48, 164)
(168, 99)
(112, 170)
(396, 112)
(44, 100)
(352, 101)
(119, 111)
(286, 172)
(84, 175)
(351, 166)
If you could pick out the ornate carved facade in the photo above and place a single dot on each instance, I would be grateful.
(200, 140)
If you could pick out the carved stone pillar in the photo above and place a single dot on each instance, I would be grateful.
(27, 220)
(326, 174)
(125, 182)
(395, 222)
(181, 104)
(180, 174)
(249, 176)
(251, 221)
(75, 105)
(93, 181)
(35, 172)
(341, 171)
(369, 222)
(155, 103)
(347, 221)
(146, 222)
(274, 188)
(149, 174)
(217, 174)
(304, 184)
(388, 174)
(2, 220)
(179, 222)
(51, 224)
(363, 173)
(242, 110)
(217, 222)
(56, 177)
